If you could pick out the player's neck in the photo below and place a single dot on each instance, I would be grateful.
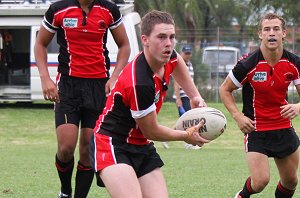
(157, 69)
(156, 65)
(85, 4)
(272, 56)
(160, 73)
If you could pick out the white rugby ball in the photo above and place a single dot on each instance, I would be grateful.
(214, 121)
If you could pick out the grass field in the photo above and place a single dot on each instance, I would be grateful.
(28, 146)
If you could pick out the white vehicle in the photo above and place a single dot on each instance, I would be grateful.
(220, 59)
(19, 23)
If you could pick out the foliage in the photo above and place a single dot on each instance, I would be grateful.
(196, 19)
(220, 13)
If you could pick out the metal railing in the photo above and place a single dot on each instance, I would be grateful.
(36, 2)
(25, 2)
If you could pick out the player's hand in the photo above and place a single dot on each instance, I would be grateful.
(193, 136)
(109, 85)
(290, 111)
(50, 91)
(245, 124)
(197, 102)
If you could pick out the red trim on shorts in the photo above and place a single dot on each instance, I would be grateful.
(246, 142)
(104, 149)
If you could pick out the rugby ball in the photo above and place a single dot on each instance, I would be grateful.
(214, 121)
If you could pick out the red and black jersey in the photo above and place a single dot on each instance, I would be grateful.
(137, 92)
(82, 37)
(264, 88)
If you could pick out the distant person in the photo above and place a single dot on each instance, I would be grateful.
(124, 156)
(6, 52)
(82, 81)
(182, 100)
(266, 118)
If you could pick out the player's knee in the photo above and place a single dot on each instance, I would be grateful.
(290, 182)
(84, 158)
(65, 152)
(260, 183)
(84, 150)
(84, 145)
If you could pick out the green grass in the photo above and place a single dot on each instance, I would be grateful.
(28, 147)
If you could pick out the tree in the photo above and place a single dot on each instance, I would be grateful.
(197, 20)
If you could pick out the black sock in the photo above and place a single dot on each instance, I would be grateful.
(84, 179)
(282, 192)
(65, 171)
(247, 189)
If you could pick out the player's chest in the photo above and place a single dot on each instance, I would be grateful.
(76, 23)
(266, 78)
(161, 87)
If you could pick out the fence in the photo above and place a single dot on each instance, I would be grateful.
(246, 42)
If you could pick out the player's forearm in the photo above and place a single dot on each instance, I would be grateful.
(177, 90)
(152, 130)
(41, 61)
(192, 92)
(162, 133)
(229, 103)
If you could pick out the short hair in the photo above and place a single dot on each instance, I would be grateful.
(270, 16)
(153, 18)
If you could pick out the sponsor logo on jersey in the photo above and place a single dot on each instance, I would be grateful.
(260, 76)
(157, 95)
(70, 22)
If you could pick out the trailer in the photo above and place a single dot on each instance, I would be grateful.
(19, 24)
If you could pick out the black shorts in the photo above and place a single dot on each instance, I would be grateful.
(276, 143)
(81, 101)
(142, 158)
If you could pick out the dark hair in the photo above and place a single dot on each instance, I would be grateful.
(153, 18)
(270, 16)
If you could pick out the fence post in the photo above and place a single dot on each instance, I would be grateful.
(218, 65)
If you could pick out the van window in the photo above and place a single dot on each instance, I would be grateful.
(220, 60)
(138, 35)
(53, 47)
(221, 57)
